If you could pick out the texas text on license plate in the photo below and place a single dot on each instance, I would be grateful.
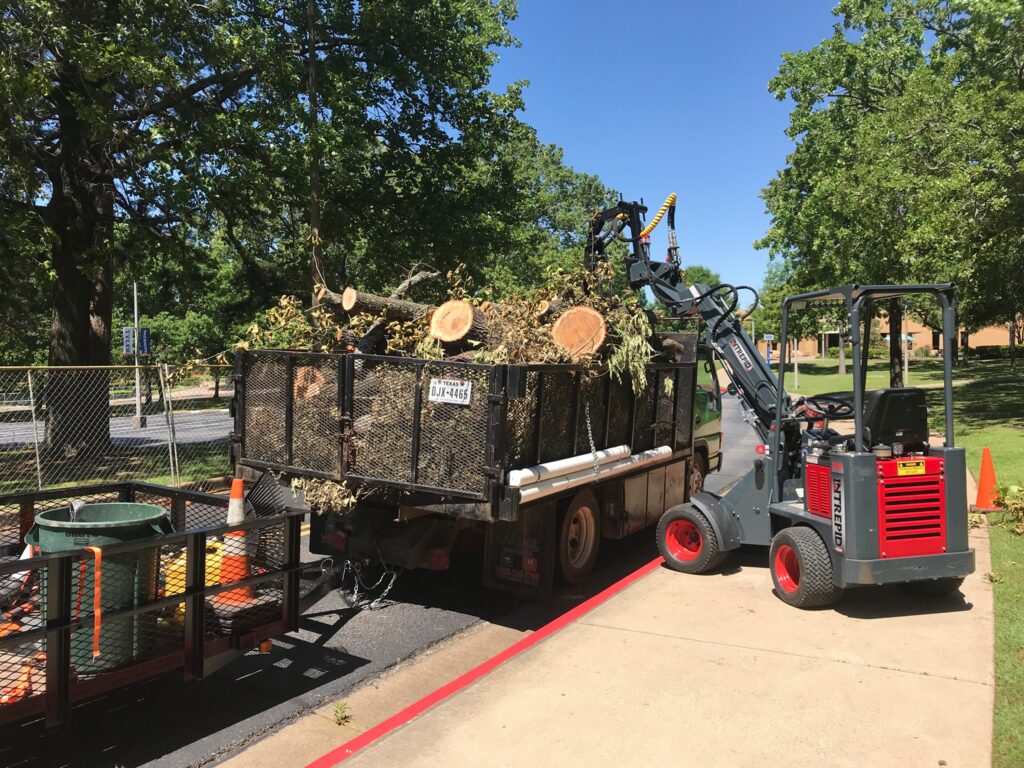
(450, 391)
(915, 467)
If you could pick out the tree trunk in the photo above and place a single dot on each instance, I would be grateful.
(895, 343)
(355, 302)
(458, 320)
(316, 260)
(78, 401)
(580, 331)
(1013, 343)
(842, 354)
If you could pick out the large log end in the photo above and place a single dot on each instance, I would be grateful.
(348, 298)
(579, 331)
(452, 321)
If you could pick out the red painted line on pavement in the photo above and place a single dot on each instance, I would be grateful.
(384, 727)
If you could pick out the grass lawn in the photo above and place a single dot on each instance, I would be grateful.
(1008, 574)
(819, 377)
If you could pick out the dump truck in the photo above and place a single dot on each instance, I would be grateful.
(538, 463)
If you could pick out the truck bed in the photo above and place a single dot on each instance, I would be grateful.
(444, 429)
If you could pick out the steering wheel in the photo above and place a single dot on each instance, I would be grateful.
(828, 407)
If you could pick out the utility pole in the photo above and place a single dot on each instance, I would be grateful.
(316, 262)
(139, 421)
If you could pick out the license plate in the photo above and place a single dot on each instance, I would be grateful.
(909, 468)
(453, 391)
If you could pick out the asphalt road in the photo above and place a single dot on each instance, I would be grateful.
(166, 722)
(209, 426)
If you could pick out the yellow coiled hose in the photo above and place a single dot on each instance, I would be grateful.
(669, 202)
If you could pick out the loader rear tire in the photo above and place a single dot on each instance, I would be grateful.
(802, 569)
(687, 541)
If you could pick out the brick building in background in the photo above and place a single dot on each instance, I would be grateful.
(921, 337)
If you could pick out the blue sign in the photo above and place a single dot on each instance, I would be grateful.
(143, 341)
(128, 338)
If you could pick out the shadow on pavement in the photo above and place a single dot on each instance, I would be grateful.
(890, 601)
(460, 589)
(149, 720)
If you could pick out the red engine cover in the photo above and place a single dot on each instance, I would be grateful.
(816, 489)
(911, 506)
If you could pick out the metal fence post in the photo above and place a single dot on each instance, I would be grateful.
(172, 440)
(195, 606)
(35, 432)
(58, 641)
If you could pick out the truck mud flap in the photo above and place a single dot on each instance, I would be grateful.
(519, 556)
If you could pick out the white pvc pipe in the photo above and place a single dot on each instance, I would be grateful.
(530, 475)
(565, 482)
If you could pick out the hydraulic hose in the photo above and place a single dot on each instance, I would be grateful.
(670, 202)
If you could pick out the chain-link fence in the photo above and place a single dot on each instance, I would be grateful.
(72, 426)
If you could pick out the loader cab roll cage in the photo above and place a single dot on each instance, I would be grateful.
(859, 301)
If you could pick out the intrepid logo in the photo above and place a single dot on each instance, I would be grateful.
(838, 517)
(741, 355)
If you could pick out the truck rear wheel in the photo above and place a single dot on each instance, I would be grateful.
(698, 471)
(579, 538)
(802, 569)
(687, 541)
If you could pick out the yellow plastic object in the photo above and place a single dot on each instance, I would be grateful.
(174, 576)
(174, 583)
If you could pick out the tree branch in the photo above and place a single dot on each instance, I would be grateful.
(230, 81)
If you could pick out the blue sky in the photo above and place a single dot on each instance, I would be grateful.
(659, 97)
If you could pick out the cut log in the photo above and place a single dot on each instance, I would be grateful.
(580, 331)
(458, 320)
(548, 307)
(355, 302)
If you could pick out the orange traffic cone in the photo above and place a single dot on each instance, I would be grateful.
(234, 564)
(20, 691)
(987, 494)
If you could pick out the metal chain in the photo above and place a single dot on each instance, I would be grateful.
(590, 436)
(359, 585)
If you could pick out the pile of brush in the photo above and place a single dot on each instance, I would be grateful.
(570, 319)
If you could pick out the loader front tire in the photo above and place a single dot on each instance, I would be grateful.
(687, 541)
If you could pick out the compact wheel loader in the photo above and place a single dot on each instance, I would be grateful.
(877, 501)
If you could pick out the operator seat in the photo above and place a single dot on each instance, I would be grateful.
(896, 416)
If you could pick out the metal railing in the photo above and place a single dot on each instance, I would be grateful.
(61, 426)
(64, 640)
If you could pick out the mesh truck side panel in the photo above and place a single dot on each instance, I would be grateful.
(266, 393)
(382, 404)
(558, 407)
(316, 416)
(453, 437)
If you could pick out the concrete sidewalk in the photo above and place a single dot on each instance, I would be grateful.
(715, 670)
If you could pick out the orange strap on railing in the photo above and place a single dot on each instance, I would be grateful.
(97, 612)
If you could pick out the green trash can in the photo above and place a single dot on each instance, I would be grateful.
(126, 580)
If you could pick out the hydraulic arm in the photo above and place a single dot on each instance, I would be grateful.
(716, 305)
